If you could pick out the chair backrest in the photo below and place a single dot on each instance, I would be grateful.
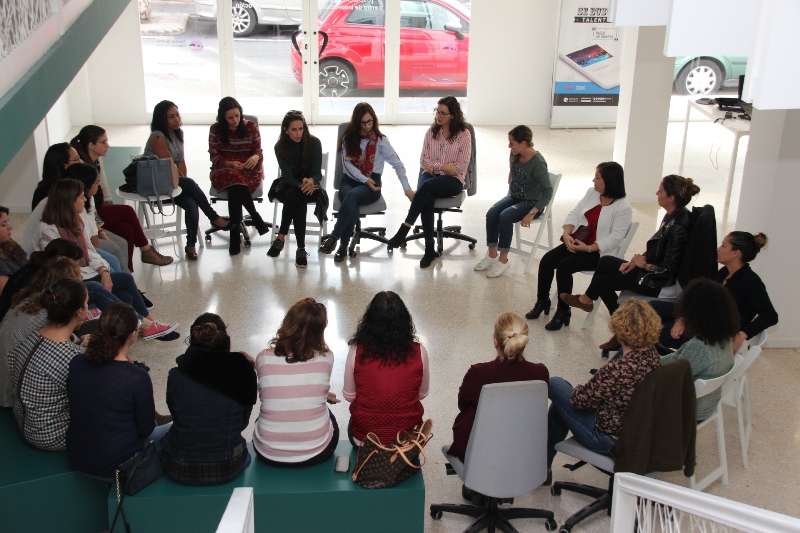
(748, 359)
(758, 340)
(704, 387)
(338, 169)
(251, 117)
(555, 181)
(471, 177)
(507, 450)
(623, 247)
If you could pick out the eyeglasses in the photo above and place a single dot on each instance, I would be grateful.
(367, 122)
(438, 113)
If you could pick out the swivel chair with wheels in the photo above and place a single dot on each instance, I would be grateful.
(506, 456)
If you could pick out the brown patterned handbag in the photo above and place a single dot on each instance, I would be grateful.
(379, 466)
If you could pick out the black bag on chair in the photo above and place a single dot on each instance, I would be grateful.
(276, 189)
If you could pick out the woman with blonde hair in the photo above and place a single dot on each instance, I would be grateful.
(295, 427)
(508, 364)
(593, 411)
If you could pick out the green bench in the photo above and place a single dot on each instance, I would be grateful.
(304, 499)
(40, 492)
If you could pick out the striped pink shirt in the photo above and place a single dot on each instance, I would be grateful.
(293, 424)
(453, 151)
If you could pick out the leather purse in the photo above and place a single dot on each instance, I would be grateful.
(379, 466)
(581, 233)
(132, 476)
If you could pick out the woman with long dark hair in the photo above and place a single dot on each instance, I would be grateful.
(299, 156)
(91, 143)
(166, 141)
(295, 427)
(210, 394)
(604, 216)
(386, 373)
(529, 192)
(446, 153)
(112, 413)
(56, 160)
(236, 165)
(364, 151)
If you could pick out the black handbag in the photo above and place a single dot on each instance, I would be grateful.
(135, 474)
(276, 189)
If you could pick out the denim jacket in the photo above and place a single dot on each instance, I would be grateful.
(208, 419)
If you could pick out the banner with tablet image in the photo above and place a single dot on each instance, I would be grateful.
(588, 66)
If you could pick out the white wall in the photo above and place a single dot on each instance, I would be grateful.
(511, 51)
(18, 180)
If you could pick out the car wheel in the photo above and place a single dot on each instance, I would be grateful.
(336, 79)
(244, 19)
(699, 77)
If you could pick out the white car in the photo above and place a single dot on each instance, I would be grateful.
(248, 14)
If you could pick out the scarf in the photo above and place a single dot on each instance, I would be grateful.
(77, 236)
(229, 373)
(366, 160)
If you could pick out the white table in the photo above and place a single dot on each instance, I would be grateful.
(737, 126)
(156, 231)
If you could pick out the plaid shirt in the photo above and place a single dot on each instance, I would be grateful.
(42, 409)
(204, 472)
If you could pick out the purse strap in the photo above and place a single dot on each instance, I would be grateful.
(121, 495)
(22, 377)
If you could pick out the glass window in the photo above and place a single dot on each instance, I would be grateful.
(371, 13)
(414, 15)
(441, 16)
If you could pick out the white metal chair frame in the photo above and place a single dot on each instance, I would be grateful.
(736, 393)
(546, 219)
(621, 251)
(322, 229)
(704, 388)
(163, 229)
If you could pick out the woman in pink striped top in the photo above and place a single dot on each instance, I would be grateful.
(295, 427)
(445, 157)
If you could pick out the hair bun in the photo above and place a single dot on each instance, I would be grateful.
(760, 239)
(689, 189)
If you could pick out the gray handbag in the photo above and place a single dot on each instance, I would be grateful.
(153, 180)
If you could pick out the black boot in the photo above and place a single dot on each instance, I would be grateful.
(430, 254)
(236, 244)
(540, 307)
(560, 318)
(399, 237)
(261, 226)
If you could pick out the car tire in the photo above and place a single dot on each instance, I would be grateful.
(336, 79)
(699, 78)
(244, 19)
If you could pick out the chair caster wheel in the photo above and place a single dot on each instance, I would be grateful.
(564, 530)
(471, 246)
(555, 491)
(436, 515)
(403, 246)
(381, 233)
(247, 244)
(416, 231)
(389, 249)
(352, 253)
(208, 238)
(551, 525)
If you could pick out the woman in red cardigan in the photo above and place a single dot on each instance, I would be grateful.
(386, 373)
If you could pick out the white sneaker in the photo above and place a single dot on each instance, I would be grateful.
(486, 262)
(497, 269)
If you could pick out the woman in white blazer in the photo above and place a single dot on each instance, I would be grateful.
(595, 227)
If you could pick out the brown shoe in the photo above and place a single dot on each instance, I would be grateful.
(574, 300)
(152, 257)
(611, 344)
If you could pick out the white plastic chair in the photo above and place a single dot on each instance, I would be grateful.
(321, 229)
(545, 220)
(620, 252)
(704, 388)
(736, 393)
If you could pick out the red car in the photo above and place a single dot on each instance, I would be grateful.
(434, 46)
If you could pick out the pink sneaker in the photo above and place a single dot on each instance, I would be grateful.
(158, 330)
(91, 314)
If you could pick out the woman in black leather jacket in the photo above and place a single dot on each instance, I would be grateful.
(658, 266)
(210, 394)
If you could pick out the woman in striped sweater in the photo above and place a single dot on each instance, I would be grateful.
(295, 427)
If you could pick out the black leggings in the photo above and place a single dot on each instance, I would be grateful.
(295, 209)
(563, 263)
(607, 280)
(429, 190)
(239, 196)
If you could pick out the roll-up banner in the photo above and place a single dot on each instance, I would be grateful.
(588, 66)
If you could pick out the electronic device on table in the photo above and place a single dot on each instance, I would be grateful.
(736, 105)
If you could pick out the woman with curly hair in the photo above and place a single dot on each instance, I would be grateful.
(709, 316)
(386, 373)
(294, 426)
(593, 411)
(112, 414)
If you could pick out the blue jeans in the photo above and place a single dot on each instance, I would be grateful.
(563, 417)
(352, 194)
(429, 189)
(124, 289)
(158, 434)
(501, 217)
(113, 262)
(193, 200)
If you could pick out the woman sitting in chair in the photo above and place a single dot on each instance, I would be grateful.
(593, 411)
(364, 151)
(91, 143)
(529, 192)
(56, 160)
(294, 426)
(446, 153)
(386, 373)
(645, 274)
(509, 364)
(299, 157)
(236, 166)
(707, 313)
(602, 219)
(166, 141)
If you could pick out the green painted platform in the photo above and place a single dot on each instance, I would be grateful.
(304, 499)
(40, 492)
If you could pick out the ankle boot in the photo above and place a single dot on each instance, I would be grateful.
(541, 306)
(236, 243)
(261, 226)
(430, 254)
(400, 237)
(560, 318)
